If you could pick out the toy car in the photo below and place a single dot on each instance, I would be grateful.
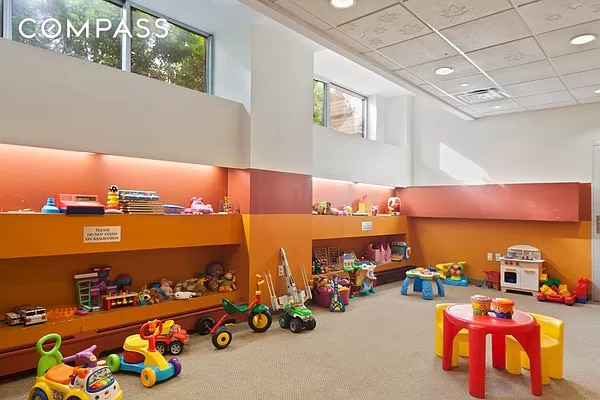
(171, 339)
(557, 298)
(297, 317)
(57, 380)
(141, 356)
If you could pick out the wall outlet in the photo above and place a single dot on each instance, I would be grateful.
(498, 255)
(490, 257)
(280, 270)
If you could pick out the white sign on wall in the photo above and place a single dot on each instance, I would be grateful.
(100, 234)
(367, 225)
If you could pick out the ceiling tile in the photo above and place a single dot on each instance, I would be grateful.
(462, 67)
(546, 98)
(523, 73)
(552, 105)
(347, 41)
(522, 2)
(535, 87)
(558, 43)
(469, 111)
(586, 92)
(507, 55)
(453, 86)
(419, 51)
(409, 77)
(380, 59)
(548, 15)
(452, 101)
(589, 100)
(489, 106)
(432, 89)
(386, 27)
(336, 16)
(445, 13)
(577, 62)
(495, 29)
(582, 79)
(295, 10)
(490, 113)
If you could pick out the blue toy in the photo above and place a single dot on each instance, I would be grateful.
(456, 277)
(140, 356)
(336, 302)
(421, 278)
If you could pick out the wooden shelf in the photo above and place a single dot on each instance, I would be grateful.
(14, 337)
(37, 235)
(380, 268)
(336, 227)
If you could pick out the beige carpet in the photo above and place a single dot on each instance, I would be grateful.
(382, 347)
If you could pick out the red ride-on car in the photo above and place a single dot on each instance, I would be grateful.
(557, 298)
(171, 339)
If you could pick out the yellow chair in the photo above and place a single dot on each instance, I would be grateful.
(552, 332)
(461, 341)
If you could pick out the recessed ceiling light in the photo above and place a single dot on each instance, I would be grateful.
(464, 84)
(583, 39)
(342, 3)
(496, 107)
(597, 91)
(444, 70)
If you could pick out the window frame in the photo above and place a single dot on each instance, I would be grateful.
(127, 8)
(327, 85)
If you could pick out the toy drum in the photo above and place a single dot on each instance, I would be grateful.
(502, 308)
(481, 304)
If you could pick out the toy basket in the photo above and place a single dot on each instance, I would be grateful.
(493, 279)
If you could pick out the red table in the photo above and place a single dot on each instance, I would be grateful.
(523, 327)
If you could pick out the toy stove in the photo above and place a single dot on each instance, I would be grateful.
(520, 269)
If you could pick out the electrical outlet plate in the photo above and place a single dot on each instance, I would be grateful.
(280, 270)
(498, 255)
(490, 257)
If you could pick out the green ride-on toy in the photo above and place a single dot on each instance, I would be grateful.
(259, 319)
(296, 316)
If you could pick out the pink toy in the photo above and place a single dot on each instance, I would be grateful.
(198, 207)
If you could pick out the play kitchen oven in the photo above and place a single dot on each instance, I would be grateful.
(520, 269)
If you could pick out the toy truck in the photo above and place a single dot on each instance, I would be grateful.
(171, 339)
(296, 316)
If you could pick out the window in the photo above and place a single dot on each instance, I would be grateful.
(44, 24)
(179, 57)
(339, 108)
(100, 31)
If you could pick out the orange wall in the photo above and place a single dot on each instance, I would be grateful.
(342, 193)
(566, 246)
(29, 175)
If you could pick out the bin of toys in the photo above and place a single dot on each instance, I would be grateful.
(322, 296)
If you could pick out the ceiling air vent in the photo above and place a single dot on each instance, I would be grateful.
(481, 96)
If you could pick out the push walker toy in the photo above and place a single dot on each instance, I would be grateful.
(57, 380)
(259, 318)
(296, 316)
(140, 356)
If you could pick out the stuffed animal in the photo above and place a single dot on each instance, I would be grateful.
(227, 284)
(165, 285)
(184, 295)
(214, 273)
(195, 285)
(151, 295)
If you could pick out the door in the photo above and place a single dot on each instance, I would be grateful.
(596, 222)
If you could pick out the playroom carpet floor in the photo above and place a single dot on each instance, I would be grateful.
(382, 347)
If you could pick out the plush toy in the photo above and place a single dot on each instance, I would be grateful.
(214, 273)
(165, 285)
(227, 284)
(151, 295)
(184, 295)
(195, 285)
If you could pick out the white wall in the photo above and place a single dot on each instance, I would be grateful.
(348, 158)
(281, 120)
(538, 146)
(56, 101)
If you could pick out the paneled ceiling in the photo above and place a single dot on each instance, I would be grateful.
(522, 48)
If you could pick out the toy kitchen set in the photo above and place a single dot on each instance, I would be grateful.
(520, 269)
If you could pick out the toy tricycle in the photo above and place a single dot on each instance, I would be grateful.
(140, 356)
(259, 318)
(57, 380)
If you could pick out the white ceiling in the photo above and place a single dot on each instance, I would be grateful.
(521, 47)
(338, 69)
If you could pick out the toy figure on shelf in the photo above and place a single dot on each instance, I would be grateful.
(227, 206)
(199, 207)
(365, 207)
(112, 201)
(214, 273)
(393, 205)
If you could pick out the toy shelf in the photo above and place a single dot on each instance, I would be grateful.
(380, 268)
(16, 337)
(38, 235)
(338, 227)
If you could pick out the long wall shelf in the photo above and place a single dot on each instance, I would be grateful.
(22, 336)
(338, 227)
(38, 235)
